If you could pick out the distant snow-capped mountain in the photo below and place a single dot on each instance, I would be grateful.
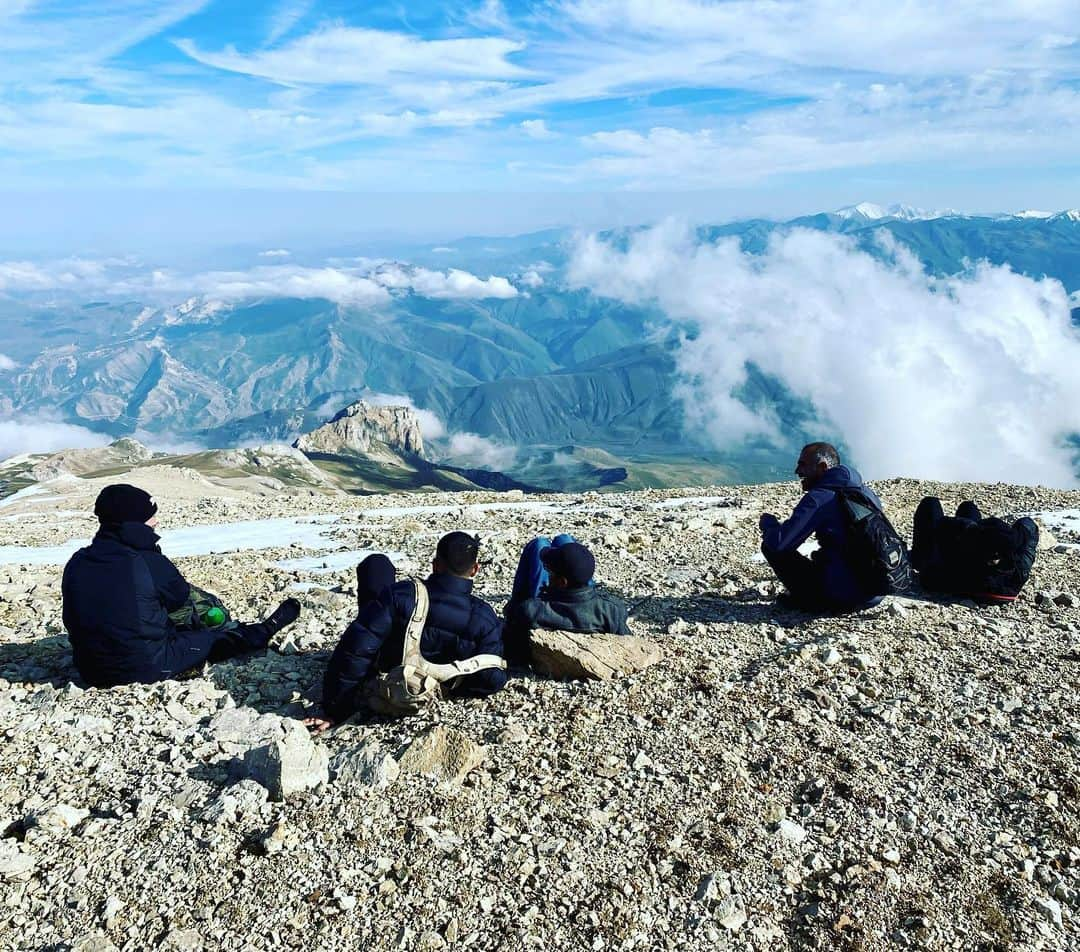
(868, 211)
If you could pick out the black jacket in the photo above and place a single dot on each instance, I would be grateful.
(118, 593)
(585, 609)
(459, 626)
(987, 559)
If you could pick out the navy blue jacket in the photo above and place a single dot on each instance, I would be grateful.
(819, 512)
(118, 593)
(459, 626)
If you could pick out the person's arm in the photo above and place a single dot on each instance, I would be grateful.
(492, 679)
(354, 659)
(789, 535)
(172, 588)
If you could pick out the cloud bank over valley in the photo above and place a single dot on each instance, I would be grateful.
(969, 377)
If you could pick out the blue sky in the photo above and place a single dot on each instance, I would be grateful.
(588, 110)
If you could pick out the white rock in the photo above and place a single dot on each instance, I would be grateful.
(365, 766)
(14, 863)
(791, 831)
(291, 765)
(1050, 909)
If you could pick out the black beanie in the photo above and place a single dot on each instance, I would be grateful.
(124, 503)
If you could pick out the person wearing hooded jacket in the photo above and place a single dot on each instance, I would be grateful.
(459, 626)
(565, 598)
(828, 581)
(118, 594)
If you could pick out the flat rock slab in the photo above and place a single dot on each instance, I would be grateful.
(443, 753)
(591, 657)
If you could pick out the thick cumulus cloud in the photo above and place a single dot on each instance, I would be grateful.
(451, 285)
(964, 377)
(44, 436)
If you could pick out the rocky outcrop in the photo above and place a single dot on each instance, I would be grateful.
(568, 654)
(77, 462)
(363, 429)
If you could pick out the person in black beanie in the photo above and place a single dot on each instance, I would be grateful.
(132, 617)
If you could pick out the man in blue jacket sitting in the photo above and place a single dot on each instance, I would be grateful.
(123, 598)
(828, 581)
(459, 626)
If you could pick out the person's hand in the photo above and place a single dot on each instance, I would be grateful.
(318, 725)
(767, 519)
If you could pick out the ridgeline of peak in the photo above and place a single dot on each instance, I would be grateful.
(382, 433)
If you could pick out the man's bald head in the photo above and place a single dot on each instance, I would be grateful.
(815, 460)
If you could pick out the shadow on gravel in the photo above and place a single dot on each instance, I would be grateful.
(272, 683)
(45, 661)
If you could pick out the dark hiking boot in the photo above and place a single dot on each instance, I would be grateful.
(285, 614)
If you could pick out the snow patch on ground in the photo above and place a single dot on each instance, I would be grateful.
(1062, 522)
(25, 493)
(307, 531)
(335, 562)
(697, 501)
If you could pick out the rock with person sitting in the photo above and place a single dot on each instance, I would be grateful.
(555, 589)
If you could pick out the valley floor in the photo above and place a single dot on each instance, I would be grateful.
(903, 778)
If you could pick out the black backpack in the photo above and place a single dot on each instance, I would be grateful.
(878, 554)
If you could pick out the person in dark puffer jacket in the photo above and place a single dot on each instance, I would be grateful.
(828, 581)
(459, 626)
(568, 602)
(118, 593)
(984, 558)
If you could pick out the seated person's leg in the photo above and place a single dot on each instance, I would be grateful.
(799, 575)
(924, 534)
(189, 648)
(531, 576)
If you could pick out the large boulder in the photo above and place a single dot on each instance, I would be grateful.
(290, 765)
(590, 657)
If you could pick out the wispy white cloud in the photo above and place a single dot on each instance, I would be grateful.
(70, 38)
(453, 284)
(480, 452)
(6, 363)
(275, 253)
(285, 18)
(370, 283)
(800, 87)
(340, 54)
(537, 129)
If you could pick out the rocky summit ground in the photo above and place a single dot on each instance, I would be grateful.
(903, 778)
